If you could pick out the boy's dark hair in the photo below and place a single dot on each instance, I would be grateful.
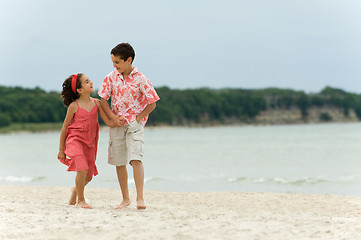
(67, 93)
(124, 51)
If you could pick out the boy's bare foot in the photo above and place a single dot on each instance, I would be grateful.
(141, 204)
(83, 204)
(123, 204)
(72, 200)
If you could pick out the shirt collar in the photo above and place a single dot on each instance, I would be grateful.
(134, 71)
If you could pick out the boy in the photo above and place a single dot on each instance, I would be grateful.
(132, 99)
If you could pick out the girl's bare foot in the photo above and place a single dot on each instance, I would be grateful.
(123, 204)
(74, 194)
(141, 204)
(83, 204)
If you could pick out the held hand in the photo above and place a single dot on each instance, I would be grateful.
(115, 121)
(120, 121)
(61, 155)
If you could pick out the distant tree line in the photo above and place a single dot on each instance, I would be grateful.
(328, 97)
(21, 105)
(182, 107)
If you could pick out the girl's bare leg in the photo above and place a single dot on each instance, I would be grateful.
(72, 200)
(80, 184)
(74, 193)
(138, 173)
(123, 182)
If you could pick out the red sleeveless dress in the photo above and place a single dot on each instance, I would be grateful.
(81, 142)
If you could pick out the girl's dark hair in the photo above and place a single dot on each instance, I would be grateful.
(67, 93)
(124, 51)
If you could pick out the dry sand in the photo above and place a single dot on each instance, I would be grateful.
(28, 212)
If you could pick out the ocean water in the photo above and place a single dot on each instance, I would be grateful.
(319, 158)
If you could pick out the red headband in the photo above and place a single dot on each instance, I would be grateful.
(73, 82)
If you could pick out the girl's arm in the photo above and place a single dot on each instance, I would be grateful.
(118, 120)
(107, 120)
(69, 116)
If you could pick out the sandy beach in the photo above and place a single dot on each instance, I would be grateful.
(29, 212)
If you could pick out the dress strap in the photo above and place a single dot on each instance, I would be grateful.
(96, 105)
(77, 103)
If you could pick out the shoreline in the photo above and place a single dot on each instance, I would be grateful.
(7, 130)
(36, 212)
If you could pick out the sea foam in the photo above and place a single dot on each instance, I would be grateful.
(21, 179)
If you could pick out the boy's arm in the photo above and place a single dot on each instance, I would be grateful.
(118, 120)
(147, 110)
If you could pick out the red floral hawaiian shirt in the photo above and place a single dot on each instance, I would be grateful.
(129, 96)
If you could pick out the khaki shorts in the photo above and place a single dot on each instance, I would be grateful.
(126, 144)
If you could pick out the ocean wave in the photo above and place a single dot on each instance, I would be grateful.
(298, 181)
(238, 179)
(289, 181)
(295, 181)
(153, 179)
(21, 179)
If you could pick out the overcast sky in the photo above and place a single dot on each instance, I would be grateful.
(303, 45)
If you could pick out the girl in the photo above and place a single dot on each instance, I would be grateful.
(79, 135)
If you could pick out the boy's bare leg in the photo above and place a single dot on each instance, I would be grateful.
(74, 193)
(80, 184)
(138, 173)
(123, 183)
